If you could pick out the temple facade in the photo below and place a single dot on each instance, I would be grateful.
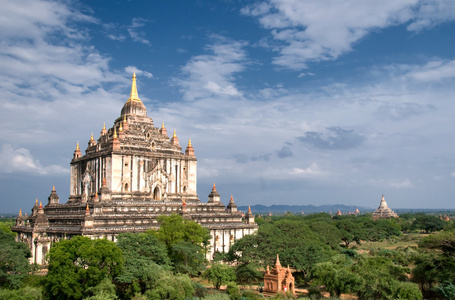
(132, 174)
(383, 211)
(279, 279)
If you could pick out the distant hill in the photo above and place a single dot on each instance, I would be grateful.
(307, 209)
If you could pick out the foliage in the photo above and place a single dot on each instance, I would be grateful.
(187, 258)
(174, 229)
(14, 263)
(444, 241)
(145, 258)
(247, 273)
(186, 242)
(293, 240)
(25, 293)
(104, 290)
(232, 289)
(369, 276)
(217, 296)
(427, 223)
(219, 274)
(170, 286)
(80, 263)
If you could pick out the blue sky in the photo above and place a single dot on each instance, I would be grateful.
(285, 101)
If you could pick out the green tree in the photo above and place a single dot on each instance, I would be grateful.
(80, 263)
(219, 274)
(25, 293)
(247, 273)
(174, 229)
(170, 286)
(427, 223)
(14, 263)
(187, 258)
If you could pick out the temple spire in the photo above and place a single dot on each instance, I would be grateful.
(133, 95)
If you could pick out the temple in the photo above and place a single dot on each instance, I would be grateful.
(383, 211)
(132, 174)
(279, 279)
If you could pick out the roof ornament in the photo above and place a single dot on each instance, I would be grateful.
(133, 95)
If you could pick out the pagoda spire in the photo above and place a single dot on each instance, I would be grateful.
(133, 95)
(277, 264)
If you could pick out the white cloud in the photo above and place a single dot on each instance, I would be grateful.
(213, 74)
(313, 169)
(135, 34)
(433, 71)
(393, 183)
(312, 31)
(20, 160)
(130, 69)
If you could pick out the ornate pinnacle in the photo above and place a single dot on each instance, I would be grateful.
(115, 133)
(175, 135)
(53, 188)
(104, 126)
(120, 128)
(77, 146)
(133, 95)
(162, 125)
(189, 143)
(91, 138)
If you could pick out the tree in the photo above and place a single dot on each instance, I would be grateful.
(174, 229)
(80, 263)
(219, 274)
(428, 223)
(170, 286)
(185, 241)
(187, 258)
(247, 273)
(145, 258)
(14, 263)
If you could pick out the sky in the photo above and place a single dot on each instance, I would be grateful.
(286, 101)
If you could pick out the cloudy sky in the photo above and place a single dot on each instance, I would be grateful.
(285, 101)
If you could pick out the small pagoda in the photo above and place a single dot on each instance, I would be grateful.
(279, 279)
(383, 211)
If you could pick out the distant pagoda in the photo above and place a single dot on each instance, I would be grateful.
(383, 211)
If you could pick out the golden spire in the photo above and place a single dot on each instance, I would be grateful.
(133, 95)
(77, 146)
(20, 211)
(120, 128)
(189, 143)
(162, 125)
(40, 204)
(87, 209)
(36, 201)
(115, 133)
(249, 209)
(91, 138)
(53, 188)
(124, 119)
(174, 134)
(214, 187)
(104, 126)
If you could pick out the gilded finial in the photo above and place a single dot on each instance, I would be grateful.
(189, 143)
(115, 133)
(77, 146)
(36, 201)
(214, 187)
(124, 119)
(91, 138)
(53, 188)
(104, 126)
(249, 208)
(87, 209)
(120, 128)
(174, 134)
(133, 95)
(20, 211)
(162, 125)
(40, 204)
